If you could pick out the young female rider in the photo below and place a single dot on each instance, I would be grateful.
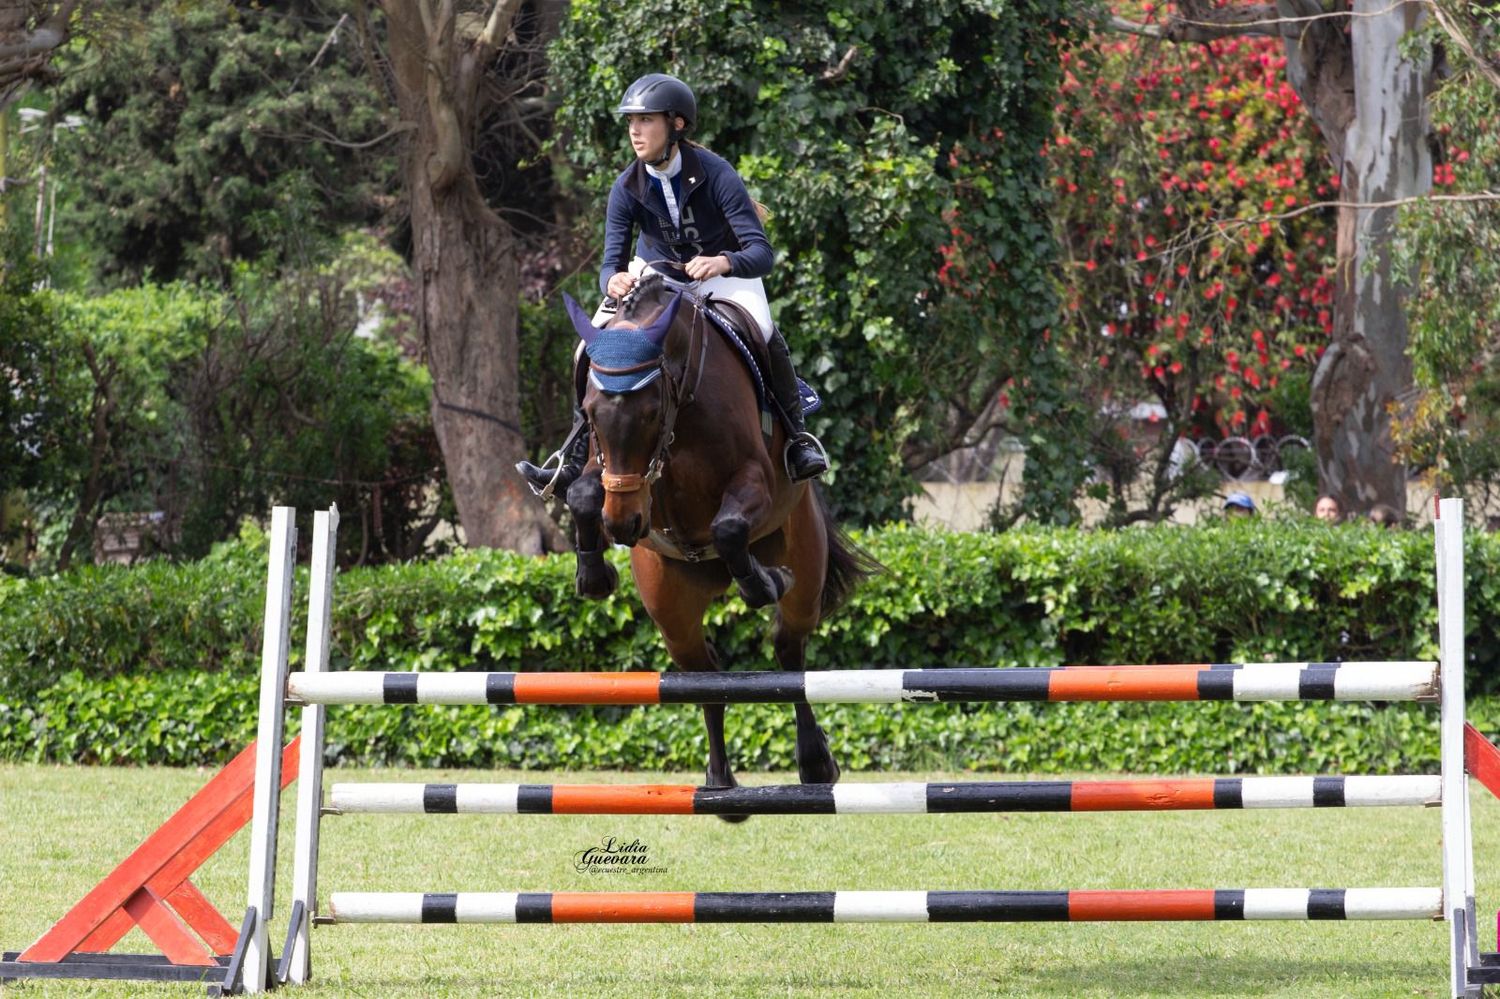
(690, 207)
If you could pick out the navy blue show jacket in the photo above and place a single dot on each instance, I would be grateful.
(716, 211)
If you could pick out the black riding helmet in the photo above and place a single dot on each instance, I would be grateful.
(659, 93)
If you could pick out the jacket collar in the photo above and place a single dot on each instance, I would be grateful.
(692, 177)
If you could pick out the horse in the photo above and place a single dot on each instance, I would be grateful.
(680, 472)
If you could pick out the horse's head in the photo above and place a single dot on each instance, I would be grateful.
(631, 402)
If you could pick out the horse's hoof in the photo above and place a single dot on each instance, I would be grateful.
(596, 582)
(756, 599)
(824, 771)
(766, 586)
(734, 820)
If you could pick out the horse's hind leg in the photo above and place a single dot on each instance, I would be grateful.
(676, 596)
(797, 617)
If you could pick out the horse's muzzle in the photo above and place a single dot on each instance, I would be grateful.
(627, 531)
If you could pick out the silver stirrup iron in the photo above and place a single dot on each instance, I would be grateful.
(546, 491)
(786, 452)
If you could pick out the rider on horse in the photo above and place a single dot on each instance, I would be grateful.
(691, 208)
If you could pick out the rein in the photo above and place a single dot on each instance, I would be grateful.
(674, 398)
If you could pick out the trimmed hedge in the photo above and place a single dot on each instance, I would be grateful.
(92, 663)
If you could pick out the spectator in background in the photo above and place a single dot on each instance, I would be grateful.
(1239, 505)
(1328, 509)
(1384, 516)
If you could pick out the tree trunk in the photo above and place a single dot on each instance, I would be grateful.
(1365, 373)
(81, 527)
(464, 264)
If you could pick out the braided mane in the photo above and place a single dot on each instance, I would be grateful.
(652, 288)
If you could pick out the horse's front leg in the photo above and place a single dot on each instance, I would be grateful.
(815, 762)
(595, 577)
(746, 502)
(676, 595)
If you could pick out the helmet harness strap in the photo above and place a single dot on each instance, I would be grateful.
(674, 136)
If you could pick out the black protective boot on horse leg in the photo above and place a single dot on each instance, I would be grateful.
(547, 480)
(804, 457)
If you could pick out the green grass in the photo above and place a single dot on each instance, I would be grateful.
(62, 829)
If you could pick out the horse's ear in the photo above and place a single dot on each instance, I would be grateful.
(657, 331)
(582, 322)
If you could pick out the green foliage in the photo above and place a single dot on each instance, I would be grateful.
(288, 403)
(107, 621)
(1301, 490)
(208, 406)
(1449, 254)
(216, 131)
(871, 164)
(120, 662)
(113, 361)
(33, 405)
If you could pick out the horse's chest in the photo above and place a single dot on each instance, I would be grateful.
(668, 543)
(677, 536)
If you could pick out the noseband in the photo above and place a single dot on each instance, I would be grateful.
(674, 396)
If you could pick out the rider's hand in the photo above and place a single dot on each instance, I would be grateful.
(703, 268)
(620, 285)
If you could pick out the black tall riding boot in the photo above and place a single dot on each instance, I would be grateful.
(804, 456)
(546, 479)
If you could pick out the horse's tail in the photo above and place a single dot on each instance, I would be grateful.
(848, 563)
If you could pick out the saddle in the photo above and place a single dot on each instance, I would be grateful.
(743, 335)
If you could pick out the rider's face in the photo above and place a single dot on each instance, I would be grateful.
(648, 135)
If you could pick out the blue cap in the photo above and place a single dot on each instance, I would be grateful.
(1241, 500)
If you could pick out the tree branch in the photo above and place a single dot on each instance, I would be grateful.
(28, 58)
(35, 43)
(332, 37)
(446, 162)
(424, 11)
(1223, 228)
(1206, 24)
(328, 137)
(499, 24)
(836, 73)
(1200, 24)
(58, 22)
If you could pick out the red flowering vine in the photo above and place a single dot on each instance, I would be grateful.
(1176, 286)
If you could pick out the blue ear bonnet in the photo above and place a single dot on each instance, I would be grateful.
(623, 348)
